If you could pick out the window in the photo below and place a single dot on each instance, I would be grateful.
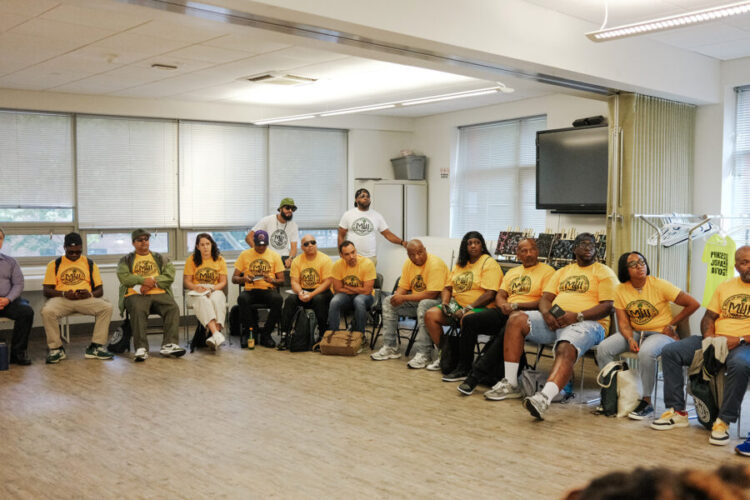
(493, 187)
(227, 241)
(121, 243)
(740, 178)
(33, 245)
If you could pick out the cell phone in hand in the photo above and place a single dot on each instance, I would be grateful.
(557, 311)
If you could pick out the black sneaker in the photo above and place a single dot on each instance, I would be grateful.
(641, 411)
(467, 386)
(283, 343)
(456, 375)
(20, 358)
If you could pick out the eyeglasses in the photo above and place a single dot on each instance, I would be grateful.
(141, 239)
(308, 243)
(636, 263)
(586, 244)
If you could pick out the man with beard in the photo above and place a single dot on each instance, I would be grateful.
(282, 230)
(359, 225)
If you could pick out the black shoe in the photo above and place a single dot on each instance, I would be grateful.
(467, 386)
(283, 343)
(20, 358)
(267, 341)
(456, 375)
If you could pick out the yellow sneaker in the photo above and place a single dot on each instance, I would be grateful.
(719, 433)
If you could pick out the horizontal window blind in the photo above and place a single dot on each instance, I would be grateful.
(741, 175)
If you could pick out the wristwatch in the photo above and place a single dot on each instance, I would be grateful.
(743, 341)
(514, 307)
(580, 317)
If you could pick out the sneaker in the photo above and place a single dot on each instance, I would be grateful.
(669, 420)
(419, 361)
(537, 405)
(719, 433)
(172, 350)
(641, 411)
(434, 366)
(386, 352)
(468, 386)
(219, 339)
(97, 351)
(55, 356)
(744, 448)
(283, 344)
(141, 355)
(503, 390)
(211, 343)
(456, 375)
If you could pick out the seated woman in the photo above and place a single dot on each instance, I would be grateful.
(205, 278)
(645, 321)
(472, 285)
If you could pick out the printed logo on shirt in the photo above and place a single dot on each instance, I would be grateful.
(279, 239)
(641, 312)
(520, 286)
(259, 266)
(206, 275)
(352, 280)
(736, 307)
(362, 226)
(574, 284)
(309, 278)
(72, 276)
(417, 284)
(144, 268)
(463, 282)
(719, 263)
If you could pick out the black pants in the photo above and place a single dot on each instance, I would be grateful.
(319, 304)
(23, 318)
(487, 322)
(249, 315)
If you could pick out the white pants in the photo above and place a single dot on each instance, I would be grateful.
(212, 306)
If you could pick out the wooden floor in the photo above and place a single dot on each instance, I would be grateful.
(270, 424)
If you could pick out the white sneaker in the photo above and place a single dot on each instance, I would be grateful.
(537, 405)
(435, 365)
(141, 354)
(386, 352)
(211, 343)
(419, 361)
(218, 339)
(172, 350)
(503, 390)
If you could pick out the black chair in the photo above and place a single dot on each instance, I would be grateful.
(413, 331)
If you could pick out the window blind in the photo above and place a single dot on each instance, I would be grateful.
(741, 175)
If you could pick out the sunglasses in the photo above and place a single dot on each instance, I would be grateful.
(635, 263)
(308, 243)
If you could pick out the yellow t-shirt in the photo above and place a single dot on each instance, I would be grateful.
(354, 276)
(472, 280)
(72, 275)
(311, 272)
(648, 309)
(145, 265)
(579, 288)
(525, 284)
(208, 272)
(253, 263)
(429, 277)
(731, 301)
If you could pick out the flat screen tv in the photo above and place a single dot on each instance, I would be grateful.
(571, 169)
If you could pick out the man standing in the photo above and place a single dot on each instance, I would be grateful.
(353, 280)
(422, 279)
(14, 307)
(72, 284)
(283, 232)
(261, 271)
(359, 225)
(311, 284)
(146, 286)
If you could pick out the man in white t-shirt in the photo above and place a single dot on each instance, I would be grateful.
(360, 224)
(282, 231)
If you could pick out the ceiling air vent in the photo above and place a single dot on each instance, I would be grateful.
(277, 78)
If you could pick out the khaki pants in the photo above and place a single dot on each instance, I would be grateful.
(139, 307)
(209, 307)
(59, 307)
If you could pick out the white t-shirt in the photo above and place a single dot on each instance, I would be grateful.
(361, 227)
(280, 234)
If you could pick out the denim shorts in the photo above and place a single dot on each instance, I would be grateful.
(583, 336)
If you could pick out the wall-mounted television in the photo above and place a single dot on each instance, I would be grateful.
(571, 169)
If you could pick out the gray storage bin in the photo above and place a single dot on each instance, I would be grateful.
(409, 168)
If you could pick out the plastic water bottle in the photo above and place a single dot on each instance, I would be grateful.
(251, 340)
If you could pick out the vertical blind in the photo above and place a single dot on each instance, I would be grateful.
(222, 174)
(740, 178)
(127, 172)
(36, 160)
(494, 184)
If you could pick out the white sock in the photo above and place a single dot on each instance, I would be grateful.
(511, 373)
(550, 390)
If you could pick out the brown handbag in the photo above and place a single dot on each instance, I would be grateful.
(340, 343)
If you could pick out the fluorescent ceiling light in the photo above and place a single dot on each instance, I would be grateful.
(283, 119)
(671, 22)
(448, 97)
(360, 109)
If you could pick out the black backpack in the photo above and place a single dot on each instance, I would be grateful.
(302, 336)
(705, 401)
(235, 326)
(199, 338)
(120, 341)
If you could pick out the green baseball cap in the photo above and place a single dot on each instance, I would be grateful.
(138, 233)
(288, 202)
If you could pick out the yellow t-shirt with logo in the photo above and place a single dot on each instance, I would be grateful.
(579, 288)
(525, 284)
(208, 272)
(311, 272)
(648, 309)
(472, 280)
(429, 277)
(71, 275)
(253, 263)
(731, 301)
(145, 265)
(354, 276)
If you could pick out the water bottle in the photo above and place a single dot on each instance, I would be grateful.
(251, 340)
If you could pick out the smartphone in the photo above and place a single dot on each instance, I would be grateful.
(557, 311)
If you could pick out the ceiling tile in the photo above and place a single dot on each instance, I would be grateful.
(249, 41)
(75, 34)
(97, 84)
(186, 31)
(698, 35)
(30, 8)
(8, 21)
(728, 50)
(206, 53)
(100, 18)
(131, 47)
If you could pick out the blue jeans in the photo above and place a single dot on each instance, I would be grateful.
(423, 342)
(583, 335)
(343, 302)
